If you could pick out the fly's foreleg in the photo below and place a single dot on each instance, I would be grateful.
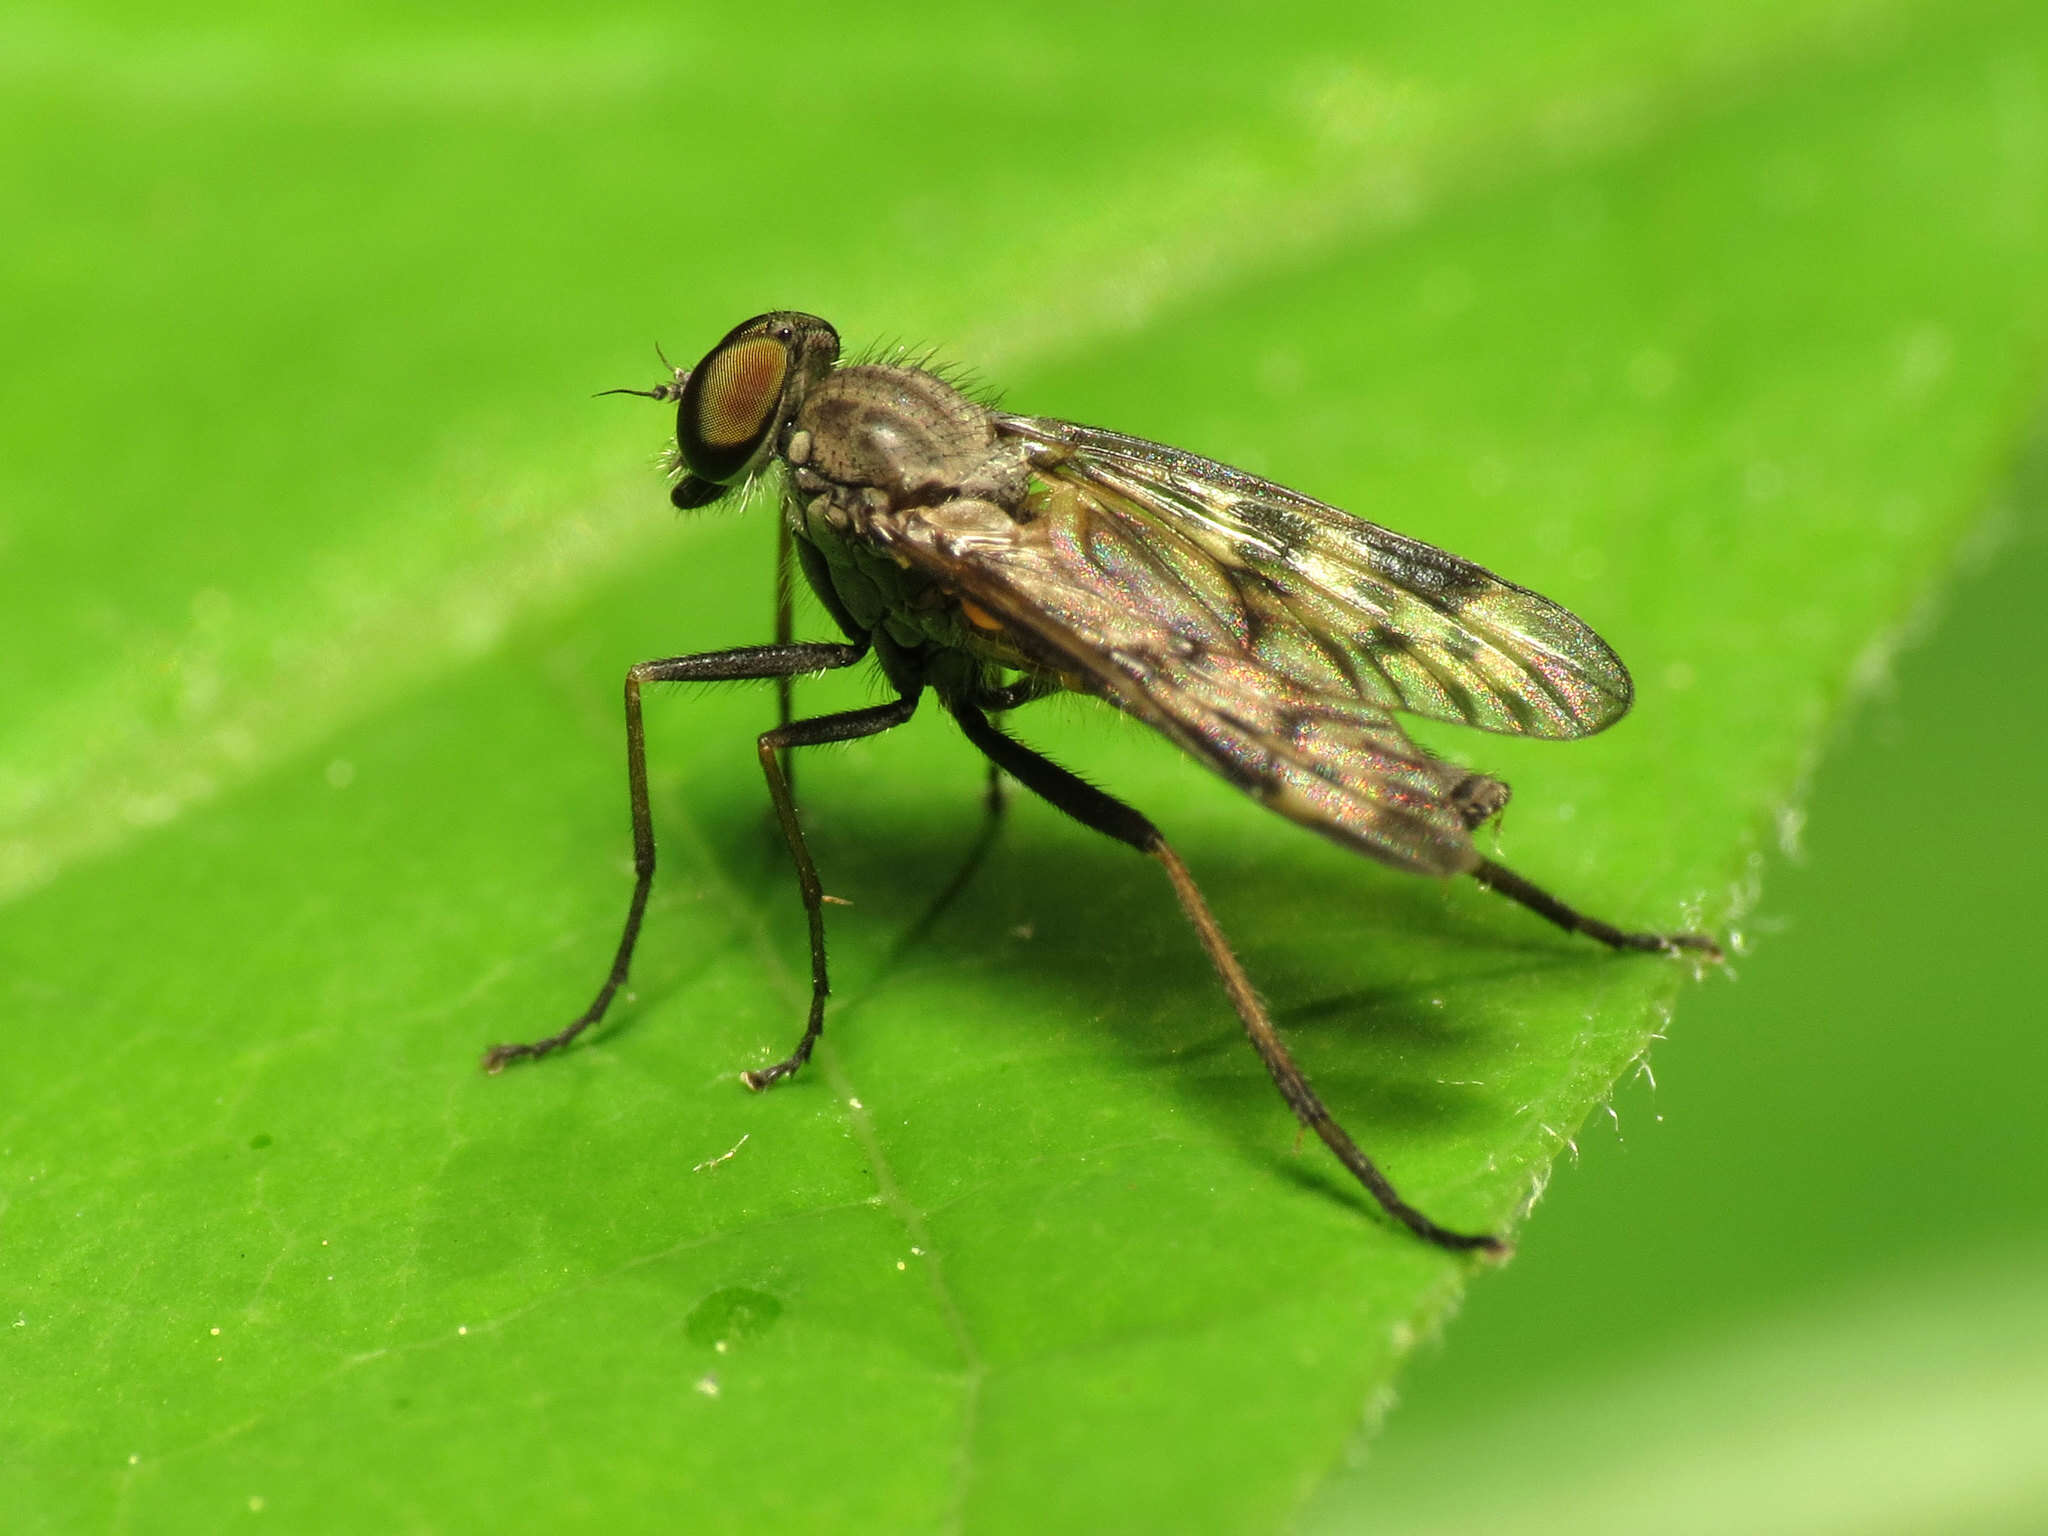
(747, 663)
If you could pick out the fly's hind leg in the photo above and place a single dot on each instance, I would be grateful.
(1111, 817)
(997, 700)
(1545, 905)
(993, 699)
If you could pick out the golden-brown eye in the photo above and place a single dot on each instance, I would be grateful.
(741, 385)
(728, 406)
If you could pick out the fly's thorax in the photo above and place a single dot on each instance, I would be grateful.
(845, 538)
(902, 431)
(854, 575)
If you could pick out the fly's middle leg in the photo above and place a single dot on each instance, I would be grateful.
(849, 726)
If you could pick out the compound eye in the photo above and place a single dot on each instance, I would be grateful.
(729, 406)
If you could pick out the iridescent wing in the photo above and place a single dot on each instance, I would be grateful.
(1087, 587)
(1342, 608)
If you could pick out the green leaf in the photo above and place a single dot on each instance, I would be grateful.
(321, 577)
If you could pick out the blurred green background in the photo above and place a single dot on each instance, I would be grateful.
(319, 569)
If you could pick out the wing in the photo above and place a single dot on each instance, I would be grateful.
(1344, 609)
(1083, 585)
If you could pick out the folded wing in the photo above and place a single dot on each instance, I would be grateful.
(1092, 588)
(1342, 607)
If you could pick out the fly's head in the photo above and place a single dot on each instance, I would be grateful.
(732, 407)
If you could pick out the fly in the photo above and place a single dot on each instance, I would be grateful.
(995, 559)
